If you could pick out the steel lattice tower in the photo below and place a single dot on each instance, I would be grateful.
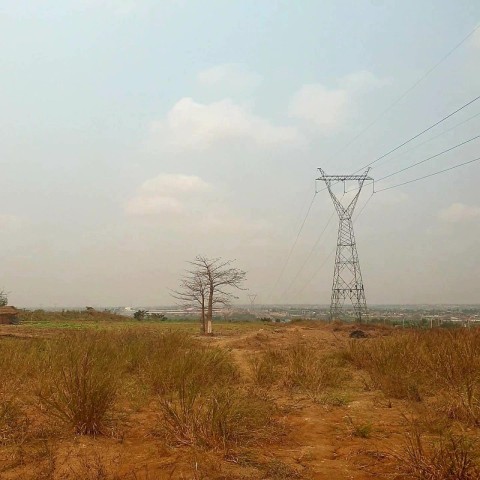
(252, 297)
(347, 277)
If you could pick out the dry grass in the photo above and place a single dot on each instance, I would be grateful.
(260, 396)
(392, 363)
(311, 371)
(223, 418)
(303, 367)
(449, 457)
(266, 367)
(416, 364)
(80, 381)
(440, 369)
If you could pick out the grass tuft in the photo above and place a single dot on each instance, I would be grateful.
(80, 382)
(452, 457)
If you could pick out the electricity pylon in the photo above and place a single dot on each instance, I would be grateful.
(252, 297)
(347, 277)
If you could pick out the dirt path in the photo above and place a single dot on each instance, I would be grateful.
(320, 443)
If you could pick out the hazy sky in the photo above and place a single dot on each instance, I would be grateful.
(136, 134)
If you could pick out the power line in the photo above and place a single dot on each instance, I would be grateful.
(364, 205)
(419, 134)
(294, 243)
(431, 139)
(311, 252)
(429, 158)
(422, 161)
(368, 200)
(430, 175)
(371, 124)
(317, 270)
(404, 94)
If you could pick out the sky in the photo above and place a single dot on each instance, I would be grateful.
(137, 134)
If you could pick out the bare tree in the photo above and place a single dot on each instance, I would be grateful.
(3, 298)
(208, 284)
(193, 293)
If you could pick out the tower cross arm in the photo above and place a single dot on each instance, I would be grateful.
(343, 178)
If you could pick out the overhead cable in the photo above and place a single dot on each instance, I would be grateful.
(406, 92)
(429, 158)
(294, 243)
(430, 175)
(419, 134)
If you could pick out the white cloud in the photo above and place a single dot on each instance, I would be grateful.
(328, 109)
(459, 212)
(231, 76)
(325, 109)
(165, 194)
(173, 184)
(153, 205)
(187, 202)
(195, 126)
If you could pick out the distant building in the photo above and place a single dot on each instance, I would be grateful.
(8, 315)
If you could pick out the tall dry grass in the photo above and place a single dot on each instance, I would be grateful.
(20, 361)
(441, 369)
(303, 367)
(444, 364)
(79, 381)
(222, 418)
(312, 371)
(448, 457)
(266, 367)
(452, 362)
(391, 363)
(201, 399)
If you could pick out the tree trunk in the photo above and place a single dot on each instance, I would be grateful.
(210, 311)
(203, 320)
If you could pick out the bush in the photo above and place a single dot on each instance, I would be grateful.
(80, 382)
(140, 314)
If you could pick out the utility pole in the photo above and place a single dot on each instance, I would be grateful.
(347, 277)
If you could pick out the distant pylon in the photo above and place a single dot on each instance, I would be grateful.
(347, 277)
(252, 297)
